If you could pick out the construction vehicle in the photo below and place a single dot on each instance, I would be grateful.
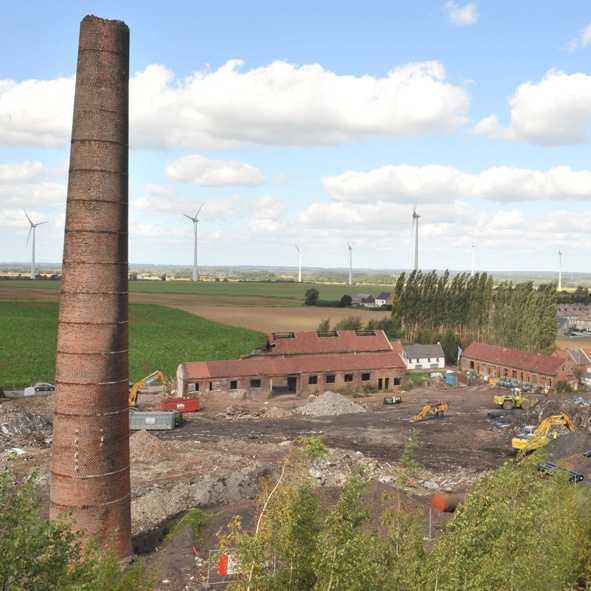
(435, 410)
(535, 437)
(513, 399)
(133, 393)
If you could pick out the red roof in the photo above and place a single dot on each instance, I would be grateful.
(342, 341)
(281, 366)
(545, 364)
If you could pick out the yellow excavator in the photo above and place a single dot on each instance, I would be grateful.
(436, 410)
(133, 393)
(535, 437)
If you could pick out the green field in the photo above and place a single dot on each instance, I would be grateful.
(159, 338)
(288, 290)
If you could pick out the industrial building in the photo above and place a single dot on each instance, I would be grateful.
(302, 363)
(533, 368)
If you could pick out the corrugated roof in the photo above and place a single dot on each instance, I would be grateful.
(313, 343)
(422, 351)
(535, 362)
(282, 366)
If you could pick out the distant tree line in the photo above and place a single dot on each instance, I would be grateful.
(431, 307)
(581, 295)
(386, 324)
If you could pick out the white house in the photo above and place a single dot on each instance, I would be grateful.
(384, 299)
(423, 356)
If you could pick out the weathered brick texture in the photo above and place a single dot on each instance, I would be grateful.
(90, 464)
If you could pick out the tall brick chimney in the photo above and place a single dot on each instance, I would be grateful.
(90, 459)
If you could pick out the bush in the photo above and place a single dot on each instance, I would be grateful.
(311, 295)
(36, 553)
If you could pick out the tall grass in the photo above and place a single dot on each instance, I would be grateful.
(159, 338)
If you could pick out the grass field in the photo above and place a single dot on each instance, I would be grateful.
(159, 338)
(287, 291)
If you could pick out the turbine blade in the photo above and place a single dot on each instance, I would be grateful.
(30, 222)
(30, 230)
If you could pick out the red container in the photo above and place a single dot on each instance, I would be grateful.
(447, 502)
(181, 404)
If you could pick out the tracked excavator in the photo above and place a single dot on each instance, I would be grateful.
(435, 410)
(133, 393)
(535, 437)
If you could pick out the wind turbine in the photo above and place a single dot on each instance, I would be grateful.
(32, 229)
(559, 270)
(300, 250)
(350, 246)
(415, 222)
(195, 220)
(473, 247)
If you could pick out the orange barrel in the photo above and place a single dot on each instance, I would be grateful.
(447, 502)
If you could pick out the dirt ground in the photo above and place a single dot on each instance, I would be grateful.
(217, 458)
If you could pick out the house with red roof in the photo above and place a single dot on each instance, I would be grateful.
(302, 363)
(533, 368)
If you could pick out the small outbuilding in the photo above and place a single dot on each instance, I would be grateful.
(424, 357)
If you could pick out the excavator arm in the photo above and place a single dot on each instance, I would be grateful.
(133, 393)
(539, 437)
(435, 409)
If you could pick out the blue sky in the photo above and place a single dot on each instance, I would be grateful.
(318, 124)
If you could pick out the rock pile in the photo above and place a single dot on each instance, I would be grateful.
(330, 404)
(19, 426)
(144, 447)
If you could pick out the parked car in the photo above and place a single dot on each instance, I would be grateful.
(44, 387)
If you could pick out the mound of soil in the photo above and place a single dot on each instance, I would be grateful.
(330, 404)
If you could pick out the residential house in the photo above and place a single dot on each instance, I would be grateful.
(577, 315)
(502, 362)
(580, 357)
(363, 299)
(384, 299)
(424, 357)
(302, 363)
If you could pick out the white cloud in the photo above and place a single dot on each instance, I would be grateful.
(23, 172)
(462, 15)
(158, 199)
(36, 112)
(206, 172)
(277, 104)
(269, 207)
(284, 104)
(581, 40)
(556, 111)
(441, 184)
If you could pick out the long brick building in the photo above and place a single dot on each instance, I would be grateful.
(302, 363)
(532, 368)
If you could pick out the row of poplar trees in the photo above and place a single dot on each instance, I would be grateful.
(473, 309)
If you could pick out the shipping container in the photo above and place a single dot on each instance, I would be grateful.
(152, 421)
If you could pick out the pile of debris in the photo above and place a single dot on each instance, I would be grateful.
(20, 427)
(330, 404)
(144, 447)
(237, 413)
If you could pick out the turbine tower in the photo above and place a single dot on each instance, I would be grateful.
(195, 221)
(350, 246)
(32, 229)
(559, 270)
(415, 225)
(300, 250)
(473, 247)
